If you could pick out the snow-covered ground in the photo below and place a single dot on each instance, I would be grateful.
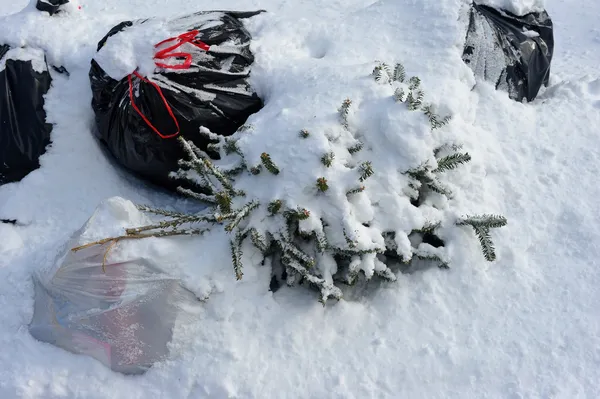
(524, 326)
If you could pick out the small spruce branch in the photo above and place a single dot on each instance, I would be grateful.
(482, 224)
(241, 214)
(356, 148)
(230, 146)
(322, 184)
(399, 95)
(268, 163)
(447, 147)
(289, 249)
(382, 71)
(161, 212)
(304, 133)
(356, 190)
(236, 255)
(344, 112)
(428, 228)
(414, 83)
(297, 214)
(435, 121)
(259, 240)
(433, 258)
(366, 170)
(223, 201)
(350, 252)
(320, 240)
(209, 199)
(435, 185)
(452, 161)
(274, 207)
(414, 99)
(486, 221)
(399, 73)
(327, 159)
(327, 289)
(236, 170)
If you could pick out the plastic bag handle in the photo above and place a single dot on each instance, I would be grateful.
(160, 93)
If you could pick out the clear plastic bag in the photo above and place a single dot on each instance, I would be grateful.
(122, 313)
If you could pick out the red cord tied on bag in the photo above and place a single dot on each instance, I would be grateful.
(187, 37)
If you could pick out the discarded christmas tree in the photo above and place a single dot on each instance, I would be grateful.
(319, 236)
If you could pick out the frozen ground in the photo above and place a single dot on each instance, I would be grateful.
(526, 326)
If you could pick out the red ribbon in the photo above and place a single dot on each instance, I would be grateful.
(187, 37)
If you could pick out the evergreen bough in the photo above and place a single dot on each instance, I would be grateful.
(302, 251)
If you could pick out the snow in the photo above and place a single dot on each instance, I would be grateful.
(517, 7)
(524, 326)
(34, 55)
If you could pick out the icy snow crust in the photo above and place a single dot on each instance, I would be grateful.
(525, 326)
(517, 7)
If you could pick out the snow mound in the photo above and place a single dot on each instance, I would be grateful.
(517, 7)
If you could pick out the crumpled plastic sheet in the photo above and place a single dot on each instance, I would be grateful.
(121, 314)
(512, 52)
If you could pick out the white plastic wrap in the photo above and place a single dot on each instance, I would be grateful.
(122, 313)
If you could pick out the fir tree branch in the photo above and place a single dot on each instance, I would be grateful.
(259, 240)
(322, 184)
(209, 199)
(241, 215)
(366, 171)
(485, 240)
(447, 146)
(382, 70)
(236, 170)
(289, 249)
(414, 101)
(344, 111)
(435, 185)
(223, 201)
(274, 206)
(399, 95)
(452, 161)
(157, 211)
(230, 146)
(321, 241)
(399, 73)
(269, 164)
(327, 159)
(356, 148)
(304, 133)
(350, 252)
(355, 190)
(327, 290)
(485, 221)
(414, 83)
(236, 255)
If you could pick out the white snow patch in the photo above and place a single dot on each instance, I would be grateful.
(517, 7)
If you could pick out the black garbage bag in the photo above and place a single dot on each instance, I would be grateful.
(50, 6)
(199, 78)
(24, 133)
(513, 52)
